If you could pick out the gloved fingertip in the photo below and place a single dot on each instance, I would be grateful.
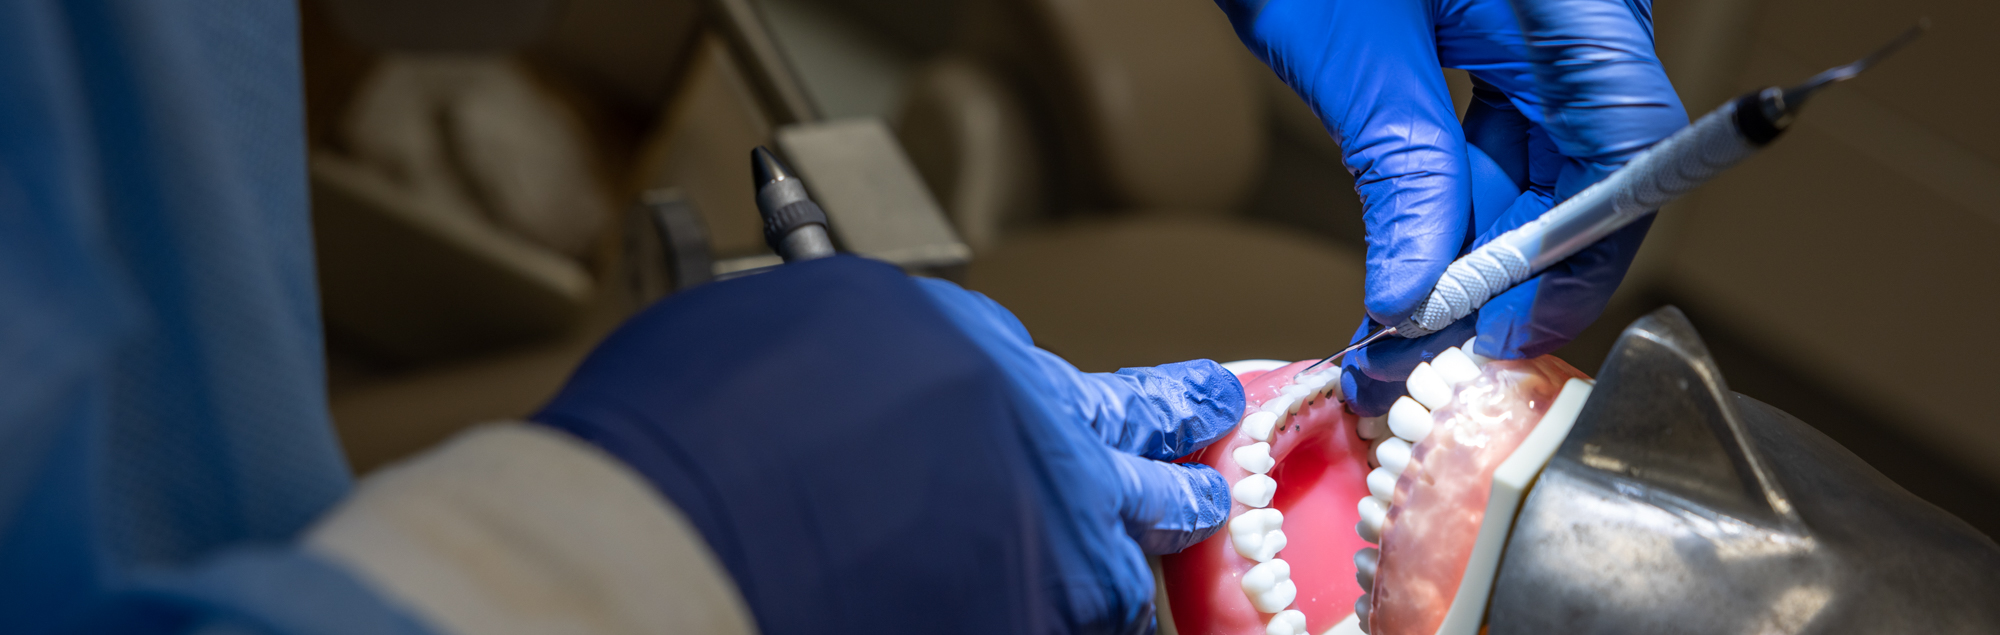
(1212, 385)
(1171, 506)
(1367, 396)
(1172, 409)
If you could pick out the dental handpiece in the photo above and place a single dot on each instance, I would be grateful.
(794, 225)
(1673, 167)
(1669, 169)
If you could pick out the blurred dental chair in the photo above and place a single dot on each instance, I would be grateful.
(452, 294)
(1098, 156)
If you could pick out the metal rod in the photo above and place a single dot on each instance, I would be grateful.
(1797, 94)
(1385, 332)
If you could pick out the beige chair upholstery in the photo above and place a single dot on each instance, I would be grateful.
(1107, 294)
(971, 141)
(1151, 101)
(1159, 135)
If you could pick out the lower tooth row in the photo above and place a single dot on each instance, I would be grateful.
(1254, 490)
(1270, 586)
(1258, 534)
(1289, 622)
(1255, 457)
(1431, 386)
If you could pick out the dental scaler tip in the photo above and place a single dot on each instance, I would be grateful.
(794, 225)
(1384, 332)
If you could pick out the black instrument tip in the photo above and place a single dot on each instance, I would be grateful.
(766, 169)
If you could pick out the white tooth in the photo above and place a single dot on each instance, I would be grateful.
(1254, 490)
(1296, 397)
(1393, 454)
(1290, 622)
(1256, 534)
(1297, 618)
(1259, 424)
(1328, 382)
(1368, 533)
(1409, 420)
(1270, 586)
(1365, 562)
(1258, 580)
(1274, 542)
(1248, 545)
(1279, 405)
(1256, 521)
(1259, 547)
(1373, 512)
(1279, 626)
(1374, 447)
(1271, 518)
(1455, 366)
(1477, 359)
(1317, 381)
(1255, 457)
(1277, 598)
(1296, 392)
(1382, 483)
(1372, 428)
(1265, 576)
(1427, 387)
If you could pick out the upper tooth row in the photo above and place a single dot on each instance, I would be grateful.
(1431, 386)
(1258, 534)
(1409, 419)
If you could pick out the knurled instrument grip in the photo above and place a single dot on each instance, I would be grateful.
(1674, 166)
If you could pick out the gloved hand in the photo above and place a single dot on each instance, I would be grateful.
(1565, 92)
(867, 452)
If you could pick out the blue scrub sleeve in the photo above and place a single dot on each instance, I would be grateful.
(164, 386)
(251, 590)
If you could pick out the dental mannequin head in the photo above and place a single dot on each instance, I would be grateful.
(1667, 504)
(1676, 505)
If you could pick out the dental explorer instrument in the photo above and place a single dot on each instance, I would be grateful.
(1675, 166)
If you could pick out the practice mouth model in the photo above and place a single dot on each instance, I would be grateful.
(1317, 489)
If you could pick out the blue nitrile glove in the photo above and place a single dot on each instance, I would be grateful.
(1559, 104)
(866, 452)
